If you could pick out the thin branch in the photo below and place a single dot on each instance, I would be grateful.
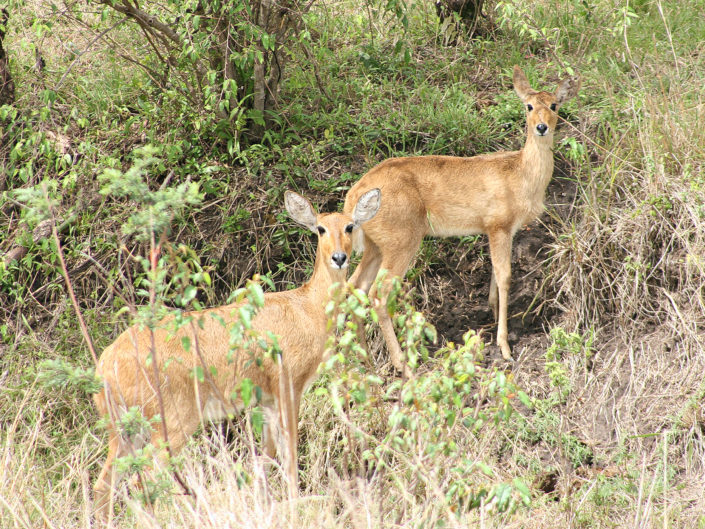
(152, 26)
(153, 261)
(90, 45)
(150, 21)
(153, 74)
(69, 287)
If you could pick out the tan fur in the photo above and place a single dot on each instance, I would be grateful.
(447, 196)
(296, 316)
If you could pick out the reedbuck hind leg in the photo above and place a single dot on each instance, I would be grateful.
(396, 260)
(366, 272)
(493, 300)
(290, 428)
(283, 438)
(501, 256)
(107, 482)
(109, 479)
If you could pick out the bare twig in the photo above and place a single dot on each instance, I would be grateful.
(145, 19)
(69, 285)
(42, 231)
(90, 45)
(153, 260)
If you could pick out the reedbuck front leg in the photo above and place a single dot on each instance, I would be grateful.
(289, 401)
(501, 257)
(395, 259)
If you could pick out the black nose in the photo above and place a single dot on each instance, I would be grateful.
(542, 128)
(339, 259)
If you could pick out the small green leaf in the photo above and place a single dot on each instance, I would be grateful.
(503, 493)
(525, 399)
(485, 469)
(374, 316)
(199, 373)
(245, 317)
(257, 295)
(246, 387)
(524, 491)
(189, 293)
(257, 418)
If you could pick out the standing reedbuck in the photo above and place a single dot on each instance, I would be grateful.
(447, 196)
(297, 317)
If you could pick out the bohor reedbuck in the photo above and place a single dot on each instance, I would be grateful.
(297, 317)
(445, 196)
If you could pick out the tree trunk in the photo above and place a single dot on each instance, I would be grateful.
(7, 86)
(468, 10)
(279, 20)
(249, 48)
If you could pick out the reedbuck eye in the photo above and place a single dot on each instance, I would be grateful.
(529, 107)
(349, 228)
(553, 107)
(321, 230)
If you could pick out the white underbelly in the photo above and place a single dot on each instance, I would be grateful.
(216, 410)
(443, 227)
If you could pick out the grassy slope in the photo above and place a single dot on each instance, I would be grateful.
(616, 440)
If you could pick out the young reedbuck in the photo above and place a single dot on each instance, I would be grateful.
(446, 196)
(297, 317)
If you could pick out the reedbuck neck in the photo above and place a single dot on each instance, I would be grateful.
(332, 259)
(535, 163)
(154, 371)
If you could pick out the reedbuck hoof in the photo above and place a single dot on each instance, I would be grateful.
(398, 359)
(494, 307)
(506, 352)
(404, 370)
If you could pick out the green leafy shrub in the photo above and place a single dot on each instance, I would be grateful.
(403, 429)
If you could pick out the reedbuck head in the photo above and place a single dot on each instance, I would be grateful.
(542, 107)
(334, 230)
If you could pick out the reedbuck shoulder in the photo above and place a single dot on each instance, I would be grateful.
(446, 196)
(297, 317)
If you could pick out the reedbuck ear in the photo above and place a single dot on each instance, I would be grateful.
(567, 89)
(300, 210)
(521, 84)
(367, 206)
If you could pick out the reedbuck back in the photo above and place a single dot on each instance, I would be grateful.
(446, 196)
(297, 317)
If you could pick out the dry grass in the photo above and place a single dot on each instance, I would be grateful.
(230, 486)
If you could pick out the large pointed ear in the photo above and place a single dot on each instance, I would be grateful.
(521, 84)
(567, 89)
(300, 210)
(367, 206)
